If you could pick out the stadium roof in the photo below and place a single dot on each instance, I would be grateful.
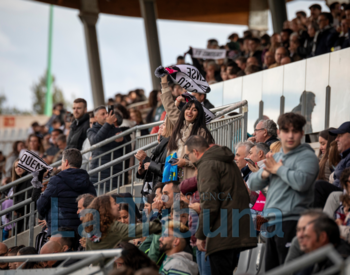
(218, 11)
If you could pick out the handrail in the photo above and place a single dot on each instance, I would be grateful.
(91, 172)
(309, 259)
(108, 253)
(106, 141)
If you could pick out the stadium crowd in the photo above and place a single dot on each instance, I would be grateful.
(271, 169)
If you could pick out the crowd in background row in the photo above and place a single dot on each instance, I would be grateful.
(272, 169)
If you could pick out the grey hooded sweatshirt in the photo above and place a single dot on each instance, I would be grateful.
(291, 188)
(180, 263)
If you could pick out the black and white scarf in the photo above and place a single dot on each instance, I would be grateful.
(187, 76)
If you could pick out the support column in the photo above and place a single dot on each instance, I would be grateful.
(149, 14)
(278, 13)
(89, 16)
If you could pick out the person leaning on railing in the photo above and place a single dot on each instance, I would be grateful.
(187, 122)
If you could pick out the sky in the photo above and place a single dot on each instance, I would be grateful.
(122, 46)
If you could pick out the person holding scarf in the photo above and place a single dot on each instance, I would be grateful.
(188, 121)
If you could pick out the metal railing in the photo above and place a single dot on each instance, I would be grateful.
(226, 131)
(87, 258)
(328, 251)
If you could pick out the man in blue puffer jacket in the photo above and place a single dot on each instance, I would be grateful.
(59, 199)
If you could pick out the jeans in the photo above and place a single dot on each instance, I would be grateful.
(322, 191)
(203, 265)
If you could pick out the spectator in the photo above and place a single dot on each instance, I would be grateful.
(290, 175)
(66, 186)
(177, 261)
(297, 245)
(296, 52)
(343, 39)
(102, 129)
(49, 248)
(269, 59)
(83, 201)
(210, 75)
(67, 243)
(29, 250)
(280, 53)
(136, 116)
(34, 145)
(233, 73)
(18, 173)
(327, 35)
(325, 140)
(61, 142)
(148, 204)
(202, 98)
(286, 60)
(13, 252)
(53, 150)
(155, 103)
(275, 42)
(315, 11)
(242, 151)
(79, 126)
(57, 114)
(180, 60)
(3, 253)
(335, 9)
(285, 34)
(112, 231)
(275, 147)
(252, 69)
(131, 257)
(189, 121)
(265, 131)
(254, 51)
(177, 91)
(301, 15)
(151, 168)
(241, 62)
(17, 147)
(258, 154)
(252, 61)
(310, 43)
(212, 44)
(323, 188)
(319, 233)
(218, 173)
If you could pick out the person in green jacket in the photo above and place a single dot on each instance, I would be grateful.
(111, 232)
(290, 175)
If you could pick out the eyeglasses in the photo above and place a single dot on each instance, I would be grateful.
(256, 130)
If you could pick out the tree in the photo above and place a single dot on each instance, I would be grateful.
(39, 92)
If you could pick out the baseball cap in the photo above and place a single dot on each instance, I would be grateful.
(344, 128)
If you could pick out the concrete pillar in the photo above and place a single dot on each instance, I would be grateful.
(278, 13)
(89, 16)
(149, 14)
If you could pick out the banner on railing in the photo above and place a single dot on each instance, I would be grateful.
(208, 53)
(31, 162)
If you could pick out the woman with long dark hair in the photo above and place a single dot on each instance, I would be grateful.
(29, 250)
(111, 231)
(17, 146)
(187, 122)
(325, 140)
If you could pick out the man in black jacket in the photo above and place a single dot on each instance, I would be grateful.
(202, 98)
(103, 129)
(58, 202)
(327, 35)
(79, 126)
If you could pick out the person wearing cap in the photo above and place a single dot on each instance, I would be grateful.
(315, 11)
(323, 188)
(343, 143)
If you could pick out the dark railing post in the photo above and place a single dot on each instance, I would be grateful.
(31, 224)
(328, 107)
(245, 129)
(261, 109)
(282, 104)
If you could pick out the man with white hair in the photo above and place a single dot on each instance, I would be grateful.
(242, 151)
(265, 131)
